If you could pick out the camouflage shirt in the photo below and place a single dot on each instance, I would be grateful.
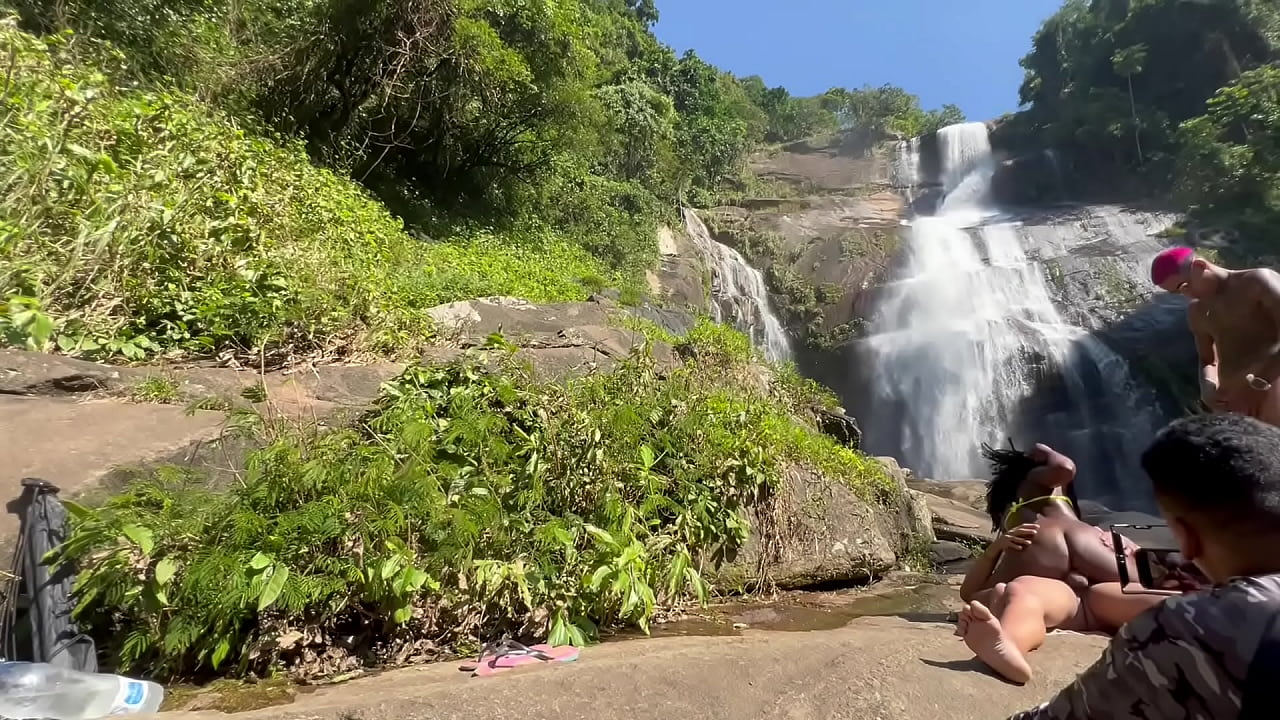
(1186, 659)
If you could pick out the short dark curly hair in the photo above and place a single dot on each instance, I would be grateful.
(1221, 464)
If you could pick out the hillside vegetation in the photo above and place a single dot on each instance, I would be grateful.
(1184, 96)
(466, 504)
(306, 176)
(284, 178)
(135, 221)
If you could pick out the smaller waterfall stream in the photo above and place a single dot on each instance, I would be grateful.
(738, 293)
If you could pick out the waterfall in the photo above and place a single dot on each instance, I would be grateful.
(966, 346)
(738, 293)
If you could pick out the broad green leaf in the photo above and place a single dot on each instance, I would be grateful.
(275, 584)
(646, 456)
(260, 562)
(577, 636)
(78, 511)
(631, 554)
(414, 578)
(562, 536)
(165, 570)
(700, 587)
(220, 652)
(601, 535)
(598, 577)
(41, 329)
(402, 615)
(140, 536)
(559, 631)
(677, 579)
(391, 566)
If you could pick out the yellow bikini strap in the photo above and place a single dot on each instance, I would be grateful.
(1023, 503)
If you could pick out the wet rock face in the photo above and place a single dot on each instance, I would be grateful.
(824, 240)
(681, 279)
(1031, 179)
(839, 426)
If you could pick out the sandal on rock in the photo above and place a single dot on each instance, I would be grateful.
(507, 654)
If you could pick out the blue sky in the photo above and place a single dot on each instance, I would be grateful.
(958, 51)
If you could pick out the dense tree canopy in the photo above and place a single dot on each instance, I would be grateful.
(1229, 164)
(1110, 81)
(473, 105)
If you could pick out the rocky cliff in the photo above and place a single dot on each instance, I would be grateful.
(825, 234)
(830, 232)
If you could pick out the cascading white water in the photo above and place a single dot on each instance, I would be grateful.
(968, 331)
(738, 293)
(904, 174)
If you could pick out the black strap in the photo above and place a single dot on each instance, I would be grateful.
(492, 652)
(14, 587)
(1261, 695)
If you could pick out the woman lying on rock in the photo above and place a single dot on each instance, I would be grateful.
(1047, 570)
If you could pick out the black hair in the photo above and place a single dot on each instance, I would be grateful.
(1223, 465)
(1009, 468)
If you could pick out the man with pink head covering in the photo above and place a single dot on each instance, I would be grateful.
(1235, 318)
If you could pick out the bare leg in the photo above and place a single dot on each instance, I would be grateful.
(1029, 608)
(984, 635)
(1110, 607)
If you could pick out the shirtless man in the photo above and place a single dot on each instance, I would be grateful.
(1235, 318)
(1048, 570)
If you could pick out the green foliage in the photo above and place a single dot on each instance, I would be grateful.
(1160, 96)
(136, 221)
(652, 331)
(466, 117)
(642, 123)
(1109, 82)
(155, 389)
(466, 503)
(1229, 164)
(888, 109)
(464, 101)
(788, 118)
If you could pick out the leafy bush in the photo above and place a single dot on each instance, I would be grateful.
(1229, 164)
(468, 502)
(1108, 83)
(136, 221)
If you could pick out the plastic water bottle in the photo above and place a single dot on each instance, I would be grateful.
(38, 690)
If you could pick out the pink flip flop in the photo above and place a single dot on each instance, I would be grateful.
(508, 654)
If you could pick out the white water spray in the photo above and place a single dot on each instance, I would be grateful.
(968, 332)
(738, 293)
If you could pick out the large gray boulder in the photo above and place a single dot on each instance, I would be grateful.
(816, 531)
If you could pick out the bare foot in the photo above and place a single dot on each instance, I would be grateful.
(984, 636)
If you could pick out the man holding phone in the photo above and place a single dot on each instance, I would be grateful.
(1216, 653)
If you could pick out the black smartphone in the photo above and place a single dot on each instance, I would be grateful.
(1165, 570)
(1160, 570)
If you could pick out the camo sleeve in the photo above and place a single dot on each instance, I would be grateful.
(1186, 658)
